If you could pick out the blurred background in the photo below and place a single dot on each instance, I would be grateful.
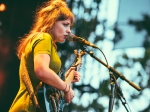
(120, 28)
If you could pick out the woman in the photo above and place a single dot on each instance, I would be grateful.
(52, 24)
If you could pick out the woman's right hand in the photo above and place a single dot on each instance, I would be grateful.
(68, 94)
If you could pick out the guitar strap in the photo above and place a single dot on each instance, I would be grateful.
(28, 84)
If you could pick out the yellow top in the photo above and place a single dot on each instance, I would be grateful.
(41, 44)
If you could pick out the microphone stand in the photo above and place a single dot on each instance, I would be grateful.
(120, 95)
(112, 94)
(113, 82)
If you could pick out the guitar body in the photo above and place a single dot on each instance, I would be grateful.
(50, 99)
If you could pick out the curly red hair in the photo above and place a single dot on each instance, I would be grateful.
(45, 17)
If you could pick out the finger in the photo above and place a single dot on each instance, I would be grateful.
(75, 80)
(76, 76)
(76, 73)
(72, 68)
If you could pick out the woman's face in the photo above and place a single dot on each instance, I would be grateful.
(60, 30)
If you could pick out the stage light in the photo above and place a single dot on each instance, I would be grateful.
(2, 7)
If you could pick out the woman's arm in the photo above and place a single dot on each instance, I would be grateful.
(48, 76)
(45, 74)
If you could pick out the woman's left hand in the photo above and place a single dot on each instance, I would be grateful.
(76, 74)
(77, 77)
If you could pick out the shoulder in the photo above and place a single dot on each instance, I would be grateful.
(44, 36)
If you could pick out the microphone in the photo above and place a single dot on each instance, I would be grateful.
(72, 37)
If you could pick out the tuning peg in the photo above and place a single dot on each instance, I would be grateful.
(75, 51)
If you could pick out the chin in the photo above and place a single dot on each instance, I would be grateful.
(62, 41)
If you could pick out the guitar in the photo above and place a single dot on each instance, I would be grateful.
(51, 99)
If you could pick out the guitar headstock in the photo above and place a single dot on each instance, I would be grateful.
(78, 59)
(77, 64)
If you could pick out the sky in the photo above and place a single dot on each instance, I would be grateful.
(131, 9)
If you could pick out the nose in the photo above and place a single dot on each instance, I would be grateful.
(68, 30)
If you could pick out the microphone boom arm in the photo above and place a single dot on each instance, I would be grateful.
(113, 70)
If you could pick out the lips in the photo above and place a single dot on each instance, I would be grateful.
(65, 37)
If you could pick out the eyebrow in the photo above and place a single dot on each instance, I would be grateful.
(68, 23)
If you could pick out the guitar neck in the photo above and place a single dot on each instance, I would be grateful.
(69, 79)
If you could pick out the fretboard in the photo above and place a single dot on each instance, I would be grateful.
(69, 79)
